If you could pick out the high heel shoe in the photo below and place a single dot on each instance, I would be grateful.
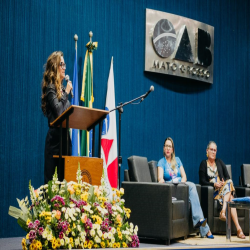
(240, 234)
(201, 223)
(210, 236)
(223, 215)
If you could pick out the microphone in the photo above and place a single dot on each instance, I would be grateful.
(152, 88)
(67, 79)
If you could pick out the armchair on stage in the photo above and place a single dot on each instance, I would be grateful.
(85, 119)
(211, 209)
(157, 215)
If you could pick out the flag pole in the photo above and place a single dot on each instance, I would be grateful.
(76, 38)
(90, 36)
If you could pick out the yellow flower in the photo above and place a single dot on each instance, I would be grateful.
(84, 196)
(103, 244)
(58, 242)
(71, 240)
(89, 246)
(120, 235)
(85, 244)
(39, 245)
(54, 246)
(70, 189)
(114, 245)
(42, 214)
(124, 244)
(28, 222)
(27, 236)
(118, 244)
(23, 242)
(96, 245)
(78, 192)
(118, 229)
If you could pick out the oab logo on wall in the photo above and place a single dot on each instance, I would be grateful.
(179, 46)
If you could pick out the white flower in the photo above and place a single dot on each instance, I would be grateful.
(97, 239)
(105, 235)
(72, 205)
(110, 235)
(63, 209)
(58, 182)
(114, 208)
(136, 228)
(78, 210)
(82, 236)
(45, 234)
(62, 242)
(73, 234)
(67, 241)
(66, 216)
(122, 200)
(92, 232)
(50, 237)
(46, 186)
(131, 225)
(99, 232)
(73, 218)
(113, 230)
(113, 240)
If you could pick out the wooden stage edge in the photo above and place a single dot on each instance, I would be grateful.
(15, 244)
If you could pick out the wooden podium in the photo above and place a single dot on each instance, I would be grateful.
(84, 119)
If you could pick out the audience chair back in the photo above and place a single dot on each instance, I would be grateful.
(245, 175)
(139, 169)
(153, 170)
(229, 170)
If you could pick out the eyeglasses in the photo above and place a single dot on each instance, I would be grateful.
(167, 146)
(213, 150)
(63, 65)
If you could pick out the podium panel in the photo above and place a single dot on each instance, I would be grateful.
(91, 169)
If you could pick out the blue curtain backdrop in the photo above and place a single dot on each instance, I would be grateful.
(191, 112)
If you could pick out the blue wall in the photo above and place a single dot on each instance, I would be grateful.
(191, 112)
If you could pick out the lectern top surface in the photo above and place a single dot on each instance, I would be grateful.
(80, 117)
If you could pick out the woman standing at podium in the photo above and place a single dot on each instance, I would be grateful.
(54, 103)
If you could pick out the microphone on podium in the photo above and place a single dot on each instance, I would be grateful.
(67, 79)
(152, 88)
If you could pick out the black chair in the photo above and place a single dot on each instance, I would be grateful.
(151, 204)
(245, 175)
(154, 174)
(211, 209)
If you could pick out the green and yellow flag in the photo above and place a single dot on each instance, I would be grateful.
(87, 96)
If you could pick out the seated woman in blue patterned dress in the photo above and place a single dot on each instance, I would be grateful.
(170, 169)
(213, 172)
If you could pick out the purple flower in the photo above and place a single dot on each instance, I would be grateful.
(61, 235)
(40, 230)
(30, 225)
(32, 235)
(36, 223)
(59, 199)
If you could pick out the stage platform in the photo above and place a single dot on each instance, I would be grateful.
(192, 242)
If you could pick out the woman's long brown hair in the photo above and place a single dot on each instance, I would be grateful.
(51, 75)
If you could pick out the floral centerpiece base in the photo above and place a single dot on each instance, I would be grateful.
(74, 215)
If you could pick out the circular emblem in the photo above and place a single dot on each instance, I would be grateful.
(105, 124)
(164, 38)
(86, 176)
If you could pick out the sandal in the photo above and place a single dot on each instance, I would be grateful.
(240, 234)
(223, 215)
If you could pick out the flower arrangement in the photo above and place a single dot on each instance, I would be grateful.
(74, 215)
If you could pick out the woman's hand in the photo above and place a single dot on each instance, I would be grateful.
(219, 184)
(69, 87)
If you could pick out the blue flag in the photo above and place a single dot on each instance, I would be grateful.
(75, 101)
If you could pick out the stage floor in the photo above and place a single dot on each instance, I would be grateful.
(192, 242)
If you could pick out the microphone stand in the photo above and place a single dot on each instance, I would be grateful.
(120, 110)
